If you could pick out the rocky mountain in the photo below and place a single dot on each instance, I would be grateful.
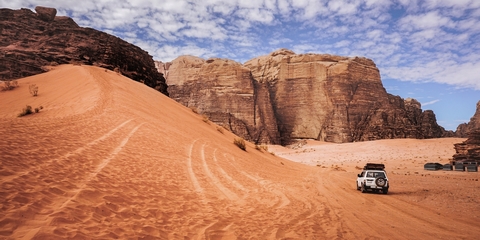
(285, 96)
(469, 150)
(464, 129)
(29, 41)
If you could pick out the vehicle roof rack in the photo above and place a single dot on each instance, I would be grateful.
(374, 166)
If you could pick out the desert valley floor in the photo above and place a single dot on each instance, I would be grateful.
(110, 158)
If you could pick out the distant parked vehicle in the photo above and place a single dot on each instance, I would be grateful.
(373, 177)
(433, 166)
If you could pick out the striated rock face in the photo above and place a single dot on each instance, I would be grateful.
(470, 149)
(337, 99)
(287, 96)
(225, 91)
(29, 41)
(465, 128)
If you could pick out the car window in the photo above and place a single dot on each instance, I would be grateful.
(379, 174)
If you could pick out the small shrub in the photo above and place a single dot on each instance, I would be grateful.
(205, 119)
(220, 129)
(33, 89)
(37, 110)
(261, 148)
(240, 142)
(194, 110)
(27, 110)
(9, 85)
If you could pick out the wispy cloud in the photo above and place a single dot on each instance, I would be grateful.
(430, 102)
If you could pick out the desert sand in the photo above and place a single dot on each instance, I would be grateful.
(110, 158)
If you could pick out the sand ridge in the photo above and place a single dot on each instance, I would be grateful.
(108, 157)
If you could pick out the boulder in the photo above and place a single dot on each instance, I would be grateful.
(45, 13)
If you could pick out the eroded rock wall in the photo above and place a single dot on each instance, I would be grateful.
(285, 96)
(465, 128)
(226, 93)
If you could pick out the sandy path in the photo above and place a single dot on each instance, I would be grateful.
(111, 158)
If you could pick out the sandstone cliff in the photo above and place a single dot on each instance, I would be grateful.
(286, 96)
(465, 128)
(224, 91)
(469, 150)
(29, 41)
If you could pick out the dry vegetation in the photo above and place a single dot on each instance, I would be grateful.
(9, 85)
(240, 142)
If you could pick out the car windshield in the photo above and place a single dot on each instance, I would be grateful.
(376, 174)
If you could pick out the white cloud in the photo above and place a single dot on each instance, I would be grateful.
(410, 40)
(430, 102)
(429, 20)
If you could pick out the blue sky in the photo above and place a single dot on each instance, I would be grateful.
(425, 49)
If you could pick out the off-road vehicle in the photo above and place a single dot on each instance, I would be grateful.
(373, 177)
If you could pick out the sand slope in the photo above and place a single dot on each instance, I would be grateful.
(108, 157)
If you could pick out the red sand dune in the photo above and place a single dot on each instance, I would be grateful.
(108, 157)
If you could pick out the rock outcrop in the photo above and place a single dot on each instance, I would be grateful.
(464, 129)
(286, 96)
(29, 41)
(469, 150)
(225, 91)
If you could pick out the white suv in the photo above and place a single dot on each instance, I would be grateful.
(373, 177)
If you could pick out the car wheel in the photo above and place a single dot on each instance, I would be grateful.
(381, 182)
(385, 190)
(364, 190)
(358, 188)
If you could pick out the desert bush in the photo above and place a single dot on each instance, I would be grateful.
(220, 129)
(33, 89)
(9, 85)
(37, 110)
(194, 110)
(261, 148)
(205, 119)
(27, 110)
(240, 142)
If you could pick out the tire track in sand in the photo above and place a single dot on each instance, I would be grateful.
(267, 185)
(191, 174)
(69, 154)
(225, 174)
(104, 163)
(213, 179)
(58, 203)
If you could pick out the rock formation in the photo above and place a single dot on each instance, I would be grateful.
(464, 129)
(225, 91)
(286, 96)
(469, 150)
(29, 41)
